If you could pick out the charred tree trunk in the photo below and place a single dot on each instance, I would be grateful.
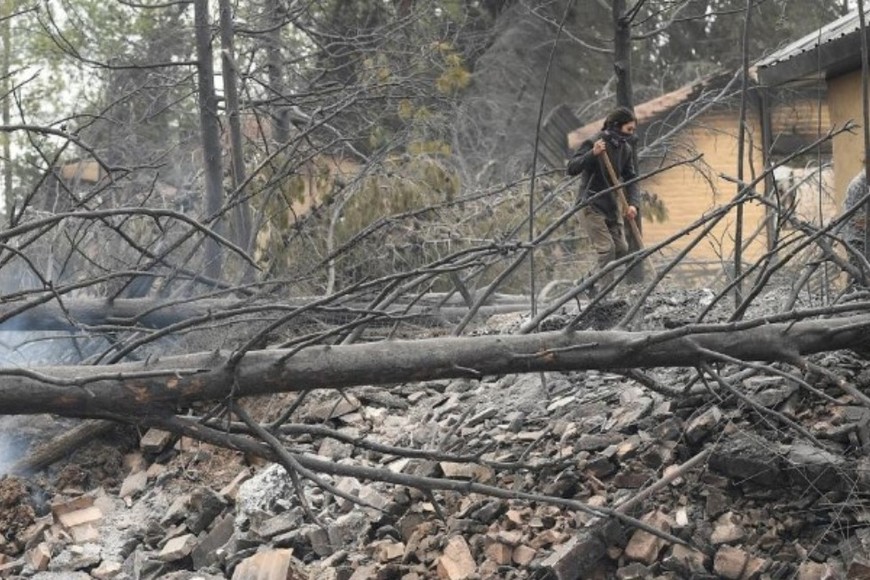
(132, 392)
(60, 447)
(242, 211)
(6, 105)
(77, 314)
(622, 55)
(274, 64)
(210, 134)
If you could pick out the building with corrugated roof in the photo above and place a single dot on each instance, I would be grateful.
(830, 57)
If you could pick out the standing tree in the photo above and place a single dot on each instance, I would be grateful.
(5, 91)
(210, 130)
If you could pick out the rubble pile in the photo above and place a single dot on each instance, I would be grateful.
(575, 475)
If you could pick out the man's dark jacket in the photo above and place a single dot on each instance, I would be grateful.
(595, 179)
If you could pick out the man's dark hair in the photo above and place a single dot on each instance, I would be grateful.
(619, 117)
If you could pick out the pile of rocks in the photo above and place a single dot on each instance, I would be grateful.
(597, 478)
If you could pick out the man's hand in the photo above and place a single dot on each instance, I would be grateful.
(599, 147)
(631, 212)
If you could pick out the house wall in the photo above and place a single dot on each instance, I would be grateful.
(806, 117)
(318, 178)
(690, 191)
(844, 102)
(82, 170)
(797, 123)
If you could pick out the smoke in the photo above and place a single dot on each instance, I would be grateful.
(9, 450)
(15, 436)
(24, 348)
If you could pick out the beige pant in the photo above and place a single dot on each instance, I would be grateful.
(607, 240)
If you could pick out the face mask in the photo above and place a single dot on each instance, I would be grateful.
(617, 137)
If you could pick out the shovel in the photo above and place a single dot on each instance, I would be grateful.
(622, 203)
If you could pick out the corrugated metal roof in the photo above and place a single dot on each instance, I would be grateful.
(843, 26)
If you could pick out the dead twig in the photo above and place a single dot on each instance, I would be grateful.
(758, 408)
(673, 474)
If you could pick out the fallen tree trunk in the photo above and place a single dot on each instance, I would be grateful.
(79, 313)
(60, 447)
(83, 313)
(127, 391)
